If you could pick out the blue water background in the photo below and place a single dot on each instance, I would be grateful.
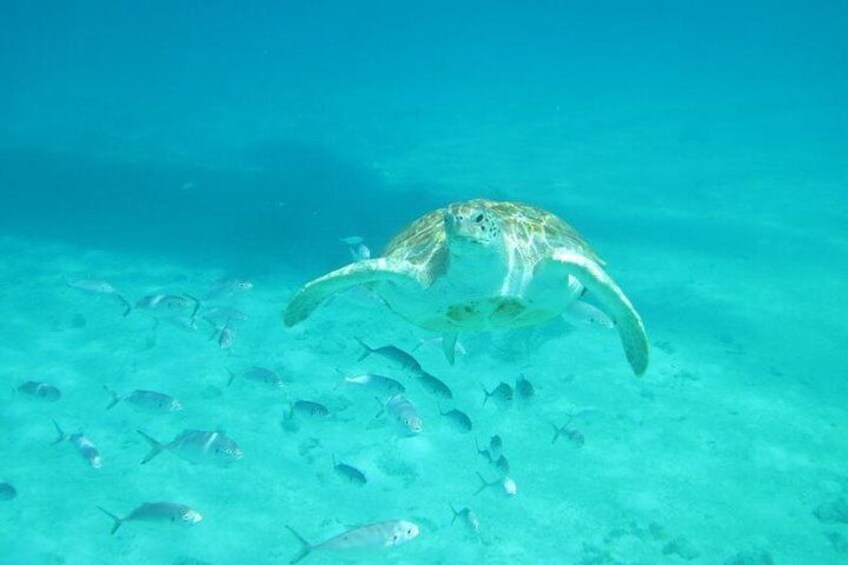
(700, 146)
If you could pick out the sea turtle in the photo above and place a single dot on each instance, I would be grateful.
(483, 264)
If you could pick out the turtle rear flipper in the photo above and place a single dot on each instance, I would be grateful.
(314, 293)
(600, 284)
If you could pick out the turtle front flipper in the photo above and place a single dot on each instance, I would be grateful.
(315, 292)
(615, 303)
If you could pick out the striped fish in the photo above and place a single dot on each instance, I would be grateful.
(167, 512)
(197, 446)
(379, 535)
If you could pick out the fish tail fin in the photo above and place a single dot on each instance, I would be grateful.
(306, 547)
(118, 520)
(155, 449)
(127, 306)
(484, 484)
(455, 514)
(232, 377)
(196, 306)
(114, 399)
(557, 433)
(382, 407)
(60, 437)
(366, 349)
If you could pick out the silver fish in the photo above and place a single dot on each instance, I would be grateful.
(259, 375)
(405, 414)
(378, 383)
(434, 385)
(148, 400)
(168, 512)
(503, 395)
(84, 446)
(228, 287)
(459, 349)
(98, 287)
(360, 252)
(524, 388)
(587, 314)
(219, 316)
(495, 446)
(372, 536)
(308, 409)
(501, 464)
(7, 491)
(169, 304)
(396, 355)
(458, 419)
(469, 518)
(197, 446)
(506, 484)
(349, 473)
(41, 391)
(574, 435)
(352, 240)
(226, 337)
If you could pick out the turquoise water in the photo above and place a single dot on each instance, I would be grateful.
(700, 148)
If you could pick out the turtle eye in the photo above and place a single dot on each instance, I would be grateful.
(479, 218)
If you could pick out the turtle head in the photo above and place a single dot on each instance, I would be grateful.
(471, 227)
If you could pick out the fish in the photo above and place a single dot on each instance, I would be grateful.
(98, 287)
(198, 447)
(495, 446)
(501, 464)
(84, 446)
(349, 473)
(524, 388)
(167, 512)
(147, 400)
(503, 394)
(218, 316)
(226, 337)
(360, 252)
(507, 485)
(259, 375)
(169, 304)
(308, 409)
(459, 349)
(371, 536)
(378, 383)
(41, 391)
(228, 287)
(587, 314)
(434, 385)
(574, 435)
(396, 355)
(405, 414)
(458, 419)
(7, 491)
(468, 517)
(352, 240)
